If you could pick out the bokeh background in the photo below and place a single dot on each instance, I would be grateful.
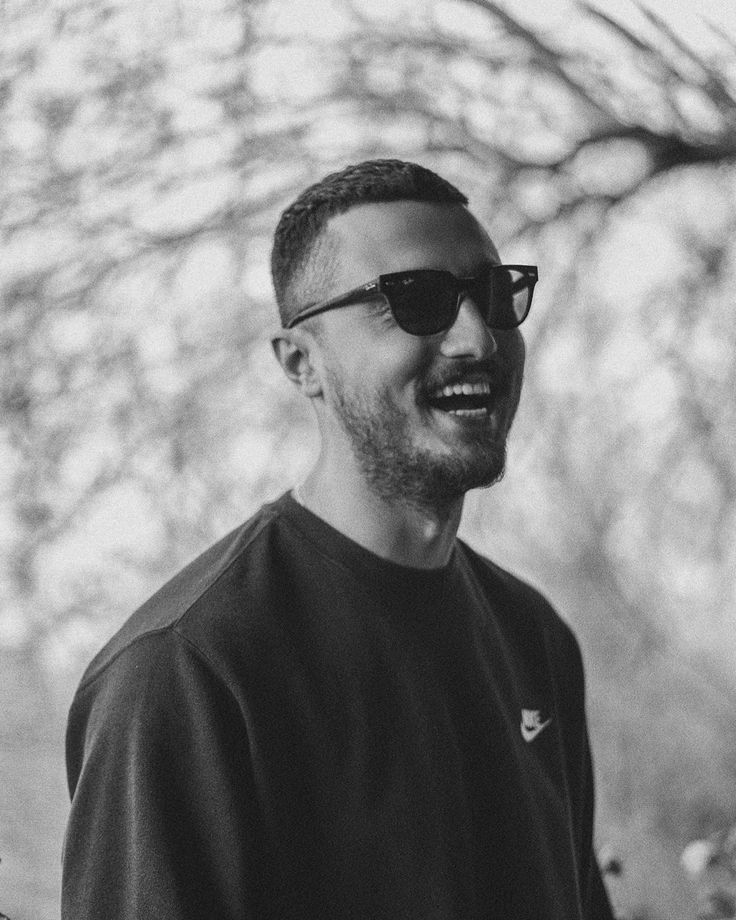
(146, 150)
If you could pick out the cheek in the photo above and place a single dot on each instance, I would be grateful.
(396, 364)
(512, 350)
(521, 346)
(390, 362)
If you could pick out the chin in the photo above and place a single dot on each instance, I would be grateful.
(441, 484)
(482, 479)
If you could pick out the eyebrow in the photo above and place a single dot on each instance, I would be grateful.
(486, 263)
(470, 273)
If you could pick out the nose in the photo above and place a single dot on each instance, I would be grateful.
(469, 336)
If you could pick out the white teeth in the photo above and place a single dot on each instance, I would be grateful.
(465, 389)
(469, 413)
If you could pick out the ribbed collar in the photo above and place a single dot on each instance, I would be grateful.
(373, 570)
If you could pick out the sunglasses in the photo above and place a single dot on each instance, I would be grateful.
(425, 301)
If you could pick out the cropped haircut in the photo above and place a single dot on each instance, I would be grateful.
(300, 261)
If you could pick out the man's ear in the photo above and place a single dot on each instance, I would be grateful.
(295, 352)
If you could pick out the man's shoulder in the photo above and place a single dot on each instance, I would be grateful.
(531, 620)
(221, 584)
(520, 594)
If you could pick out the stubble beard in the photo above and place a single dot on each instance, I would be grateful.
(397, 470)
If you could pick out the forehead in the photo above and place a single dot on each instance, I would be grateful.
(374, 239)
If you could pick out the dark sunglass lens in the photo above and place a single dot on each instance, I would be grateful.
(423, 303)
(509, 296)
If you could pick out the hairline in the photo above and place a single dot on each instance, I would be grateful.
(327, 244)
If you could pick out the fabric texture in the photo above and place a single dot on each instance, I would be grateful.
(294, 727)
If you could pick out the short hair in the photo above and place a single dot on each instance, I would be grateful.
(299, 261)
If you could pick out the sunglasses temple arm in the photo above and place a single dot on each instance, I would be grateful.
(309, 312)
(365, 292)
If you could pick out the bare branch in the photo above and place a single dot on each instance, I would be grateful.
(550, 59)
(714, 84)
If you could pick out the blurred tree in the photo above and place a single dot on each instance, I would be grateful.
(137, 164)
(609, 153)
(614, 165)
(145, 152)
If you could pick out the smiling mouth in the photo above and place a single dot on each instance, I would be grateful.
(464, 400)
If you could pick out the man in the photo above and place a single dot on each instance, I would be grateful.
(340, 710)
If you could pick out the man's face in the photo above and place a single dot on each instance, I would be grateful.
(383, 387)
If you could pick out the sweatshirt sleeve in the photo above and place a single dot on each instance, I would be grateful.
(163, 822)
(570, 684)
(596, 903)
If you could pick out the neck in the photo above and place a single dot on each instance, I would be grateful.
(400, 532)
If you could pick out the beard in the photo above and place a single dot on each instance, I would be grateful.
(398, 469)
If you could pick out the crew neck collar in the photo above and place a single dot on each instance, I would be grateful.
(364, 563)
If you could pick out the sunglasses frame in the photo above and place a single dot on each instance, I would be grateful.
(372, 290)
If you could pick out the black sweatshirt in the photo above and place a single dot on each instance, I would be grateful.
(295, 728)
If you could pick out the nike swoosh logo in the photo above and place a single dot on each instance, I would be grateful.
(529, 734)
